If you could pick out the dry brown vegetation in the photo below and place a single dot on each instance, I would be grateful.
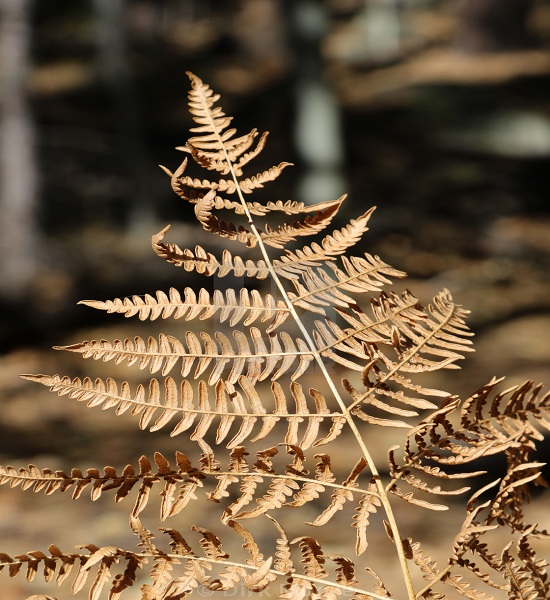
(312, 406)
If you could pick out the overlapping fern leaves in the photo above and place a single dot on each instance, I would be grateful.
(288, 393)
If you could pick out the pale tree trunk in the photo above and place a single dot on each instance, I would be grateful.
(318, 128)
(380, 20)
(18, 172)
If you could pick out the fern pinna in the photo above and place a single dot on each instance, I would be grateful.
(288, 389)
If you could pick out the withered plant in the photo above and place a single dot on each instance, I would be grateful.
(284, 408)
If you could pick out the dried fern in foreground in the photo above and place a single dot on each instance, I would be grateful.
(278, 395)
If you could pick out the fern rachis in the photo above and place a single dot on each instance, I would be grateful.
(258, 386)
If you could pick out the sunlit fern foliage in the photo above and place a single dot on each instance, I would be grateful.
(261, 406)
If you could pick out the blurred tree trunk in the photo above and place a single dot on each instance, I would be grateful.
(380, 20)
(318, 129)
(116, 74)
(494, 25)
(18, 172)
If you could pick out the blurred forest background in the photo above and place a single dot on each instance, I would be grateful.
(436, 111)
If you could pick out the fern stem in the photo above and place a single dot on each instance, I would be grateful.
(439, 577)
(318, 358)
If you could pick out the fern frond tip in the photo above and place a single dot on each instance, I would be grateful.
(167, 170)
(99, 304)
(36, 378)
(158, 237)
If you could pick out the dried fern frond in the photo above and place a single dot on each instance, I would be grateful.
(260, 358)
(248, 307)
(295, 262)
(316, 288)
(329, 350)
(277, 238)
(227, 405)
(206, 263)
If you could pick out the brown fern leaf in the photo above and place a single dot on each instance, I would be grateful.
(521, 406)
(295, 476)
(276, 238)
(184, 403)
(184, 479)
(247, 307)
(279, 489)
(210, 544)
(405, 475)
(238, 466)
(161, 574)
(427, 565)
(309, 491)
(206, 149)
(345, 570)
(538, 568)
(514, 491)
(206, 263)
(216, 145)
(292, 263)
(467, 565)
(211, 119)
(369, 504)
(257, 181)
(256, 558)
(312, 557)
(313, 564)
(341, 495)
(400, 321)
(248, 487)
(436, 440)
(178, 544)
(283, 555)
(472, 527)
(237, 148)
(217, 149)
(186, 584)
(288, 207)
(59, 565)
(521, 586)
(465, 589)
(163, 354)
(431, 446)
(186, 188)
(317, 289)
(259, 579)
(414, 336)
(379, 587)
(297, 587)
(185, 185)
